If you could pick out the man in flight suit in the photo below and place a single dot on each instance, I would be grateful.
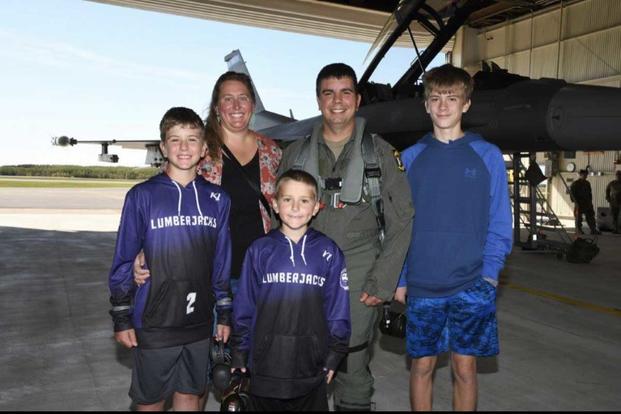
(375, 242)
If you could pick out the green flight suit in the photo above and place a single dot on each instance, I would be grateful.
(371, 268)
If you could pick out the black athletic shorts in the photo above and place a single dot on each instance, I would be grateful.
(158, 373)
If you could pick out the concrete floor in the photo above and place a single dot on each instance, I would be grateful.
(560, 323)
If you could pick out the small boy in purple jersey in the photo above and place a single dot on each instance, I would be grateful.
(291, 322)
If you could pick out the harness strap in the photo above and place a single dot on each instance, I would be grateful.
(358, 348)
(373, 175)
(343, 365)
(303, 154)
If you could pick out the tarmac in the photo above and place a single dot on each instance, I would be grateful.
(559, 323)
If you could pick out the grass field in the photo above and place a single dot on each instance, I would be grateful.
(54, 182)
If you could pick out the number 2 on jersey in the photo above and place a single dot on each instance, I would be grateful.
(191, 298)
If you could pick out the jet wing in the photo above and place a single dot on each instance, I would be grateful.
(154, 155)
(64, 141)
(130, 144)
(291, 131)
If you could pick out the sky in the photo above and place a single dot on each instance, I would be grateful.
(95, 71)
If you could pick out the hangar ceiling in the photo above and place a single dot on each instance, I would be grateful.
(359, 20)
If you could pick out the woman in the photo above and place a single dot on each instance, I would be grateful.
(240, 160)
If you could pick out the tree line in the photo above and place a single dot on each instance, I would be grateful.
(77, 171)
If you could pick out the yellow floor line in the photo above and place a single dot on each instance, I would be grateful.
(565, 299)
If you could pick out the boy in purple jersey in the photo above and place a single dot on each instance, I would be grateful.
(291, 313)
(461, 235)
(181, 222)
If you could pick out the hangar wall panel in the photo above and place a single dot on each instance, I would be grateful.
(590, 16)
(592, 56)
(520, 35)
(544, 62)
(591, 40)
(600, 161)
(545, 28)
(494, 43)
(598, 187)
(560, 202)
(518, 62)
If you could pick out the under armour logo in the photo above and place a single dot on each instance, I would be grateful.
(470, 173)
(215, 196)
(327, 255)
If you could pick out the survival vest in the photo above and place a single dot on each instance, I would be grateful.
(371, 177)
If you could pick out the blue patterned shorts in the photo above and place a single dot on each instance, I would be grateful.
(464, 323)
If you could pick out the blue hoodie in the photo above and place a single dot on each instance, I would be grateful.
(291, 313)
(462, 227)
(184, 232)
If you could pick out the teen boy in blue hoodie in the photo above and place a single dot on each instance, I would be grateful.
(291, 313)
(460, 238)
(181, 222)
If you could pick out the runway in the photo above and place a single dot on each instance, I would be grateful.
(559, 323)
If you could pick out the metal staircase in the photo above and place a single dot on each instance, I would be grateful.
(531, 209)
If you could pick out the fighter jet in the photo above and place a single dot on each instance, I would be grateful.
(514, 112)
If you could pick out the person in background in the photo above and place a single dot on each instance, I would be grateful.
(613, 196)
(581, 195)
